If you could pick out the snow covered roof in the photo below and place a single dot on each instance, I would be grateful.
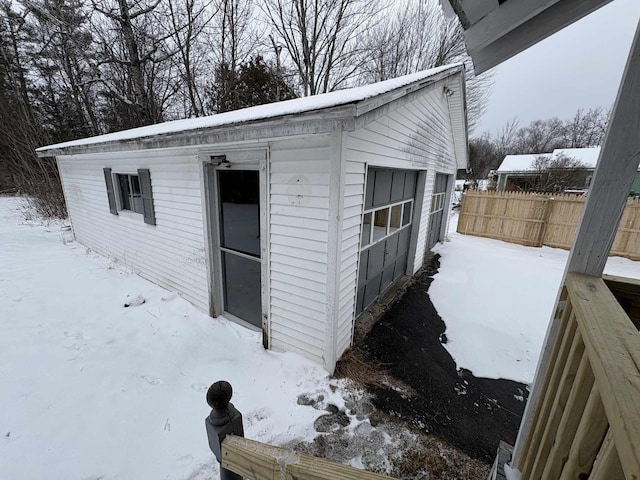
(520, 163)
(524, 163)
(268, 111)
(588, 156)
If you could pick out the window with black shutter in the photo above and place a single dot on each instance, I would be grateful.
(131, 193)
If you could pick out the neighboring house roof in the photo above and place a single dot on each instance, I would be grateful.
(588, 156)
(524, 163)
(520, 163)
(360, 100)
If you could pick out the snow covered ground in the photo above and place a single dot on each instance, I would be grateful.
(90, 389)
(496, 299)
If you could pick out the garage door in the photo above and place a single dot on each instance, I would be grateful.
(437, 209)
(386, 231)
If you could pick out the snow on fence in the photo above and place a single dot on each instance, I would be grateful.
(534, 219)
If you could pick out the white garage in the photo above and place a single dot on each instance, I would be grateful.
(291, 218)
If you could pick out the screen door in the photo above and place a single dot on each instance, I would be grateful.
(239, 203)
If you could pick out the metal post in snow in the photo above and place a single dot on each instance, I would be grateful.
(223, 420)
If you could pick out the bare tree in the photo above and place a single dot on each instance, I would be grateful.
(540, 136)
(136, 72)
(321, 38)
(586, 128)
(188, 21)
(559, 173)
(66, 62)
(419, 37)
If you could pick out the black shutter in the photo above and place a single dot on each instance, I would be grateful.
(108, 179)
(147, 196)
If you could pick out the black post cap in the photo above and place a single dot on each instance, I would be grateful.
(219, 395)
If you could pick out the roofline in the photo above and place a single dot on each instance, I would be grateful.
(336, 119)
(320, 120)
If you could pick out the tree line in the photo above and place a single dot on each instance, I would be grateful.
(585, 129)
(76, 68)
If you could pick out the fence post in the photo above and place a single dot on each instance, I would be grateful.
(223, 420)
(547, 214)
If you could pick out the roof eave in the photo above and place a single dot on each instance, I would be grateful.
(312, 122)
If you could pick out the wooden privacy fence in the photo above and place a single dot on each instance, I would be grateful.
(540, 219)
(259, 461)
(586, 422)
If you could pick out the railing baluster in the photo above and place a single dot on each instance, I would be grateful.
(571, 416)
(569, 370)
(588, 440)
(607, 466)
(559, 355)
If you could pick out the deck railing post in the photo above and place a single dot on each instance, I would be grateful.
(223, 420)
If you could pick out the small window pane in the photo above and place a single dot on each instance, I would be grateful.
(135, 184)
(125, 194)
(396, 213)
(366, 230)
(406, 216)
(380, 224)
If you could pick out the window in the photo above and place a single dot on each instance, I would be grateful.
(437, 202)
(130, 194)
(386, 221)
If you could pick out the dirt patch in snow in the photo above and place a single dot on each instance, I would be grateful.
(365, 437)
(472, 414)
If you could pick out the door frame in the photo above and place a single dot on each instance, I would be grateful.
(256, 159)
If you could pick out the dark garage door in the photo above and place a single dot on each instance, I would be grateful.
(386, 231)
(437, 209)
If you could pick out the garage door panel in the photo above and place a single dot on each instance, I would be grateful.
(372, 289)
(397, 187)
(362, 270)
(400, 268)
(382, 188)
(410, 185)
(387, 277)
(391, 250)
(360, 299)
(376, 260)
(403, 241)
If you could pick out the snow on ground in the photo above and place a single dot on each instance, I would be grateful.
(90, 389)
(496, 299)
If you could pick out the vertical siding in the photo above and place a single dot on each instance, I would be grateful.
(416, 136)
(171, 253)
(299, 224)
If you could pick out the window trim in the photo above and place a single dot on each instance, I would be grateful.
(388, 233)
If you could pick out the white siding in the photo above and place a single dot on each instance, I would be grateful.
(299, 225)
(348, 268)
(416, 136)
(170, 253)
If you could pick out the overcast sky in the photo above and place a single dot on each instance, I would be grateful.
(578, 67)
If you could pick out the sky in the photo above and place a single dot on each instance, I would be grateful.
(578, 67)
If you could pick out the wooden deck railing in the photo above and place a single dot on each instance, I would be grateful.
(259, 461)
(586, 423)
